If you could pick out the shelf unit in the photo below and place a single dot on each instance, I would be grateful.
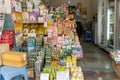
(110, 25)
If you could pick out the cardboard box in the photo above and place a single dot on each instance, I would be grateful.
(8, 32)
(14, 59)
(0, 59)
(5, 37)
(3, 48)
(0, 39)
(9, 41)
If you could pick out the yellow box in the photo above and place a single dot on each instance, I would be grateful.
(0, 60)
(14, 59)
(4, 47)
(68, 59)
(74, 63)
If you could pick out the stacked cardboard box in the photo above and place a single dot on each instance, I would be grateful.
(8, 37)
(4, 47)
(14, 59)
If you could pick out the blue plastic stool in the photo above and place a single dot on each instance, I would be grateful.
(8, 73)
(88, 35)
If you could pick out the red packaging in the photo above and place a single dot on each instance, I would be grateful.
(10, 41)
(5, 41)
(0, 39)
(8, 32)
(11, 32)
(7, 36)
(4, 37)
(11, 46)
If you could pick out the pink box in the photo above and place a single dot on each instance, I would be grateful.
(54, 38)
(50, 30)
(67, 25)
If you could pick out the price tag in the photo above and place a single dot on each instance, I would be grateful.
(63, 46)
(45, 24)
(54, 34)
(32, 35)
(44, 76)
(49, 34)
(69, 47)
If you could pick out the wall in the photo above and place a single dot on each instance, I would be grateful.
(94, 7)
(91, 4)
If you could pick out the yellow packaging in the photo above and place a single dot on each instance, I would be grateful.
(68, 59)
(14, 59)
(74, 63)
(0, 60)
(3, 48)
(74, 60)
(74, 57)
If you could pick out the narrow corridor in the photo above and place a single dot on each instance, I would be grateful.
(95, 58)
(96, 64)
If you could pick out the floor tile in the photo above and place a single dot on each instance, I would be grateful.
(95, 58)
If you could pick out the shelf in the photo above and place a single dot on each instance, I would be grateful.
(112, 22)
(110, 46)
(17, 47)
(34, 23)
(111, 32)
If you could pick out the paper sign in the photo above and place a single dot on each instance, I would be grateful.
(44, 76)
(1, 26)
(49, 34)
(69, 47)
(54, 33)
(45, 24)
(18, 6)
(32, 35)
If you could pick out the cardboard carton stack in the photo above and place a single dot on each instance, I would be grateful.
(8, 37)
(4, 47)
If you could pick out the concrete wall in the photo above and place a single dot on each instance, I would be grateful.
(94, 6)
(91, 4)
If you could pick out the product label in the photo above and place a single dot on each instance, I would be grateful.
(25, 57)
(45, 24)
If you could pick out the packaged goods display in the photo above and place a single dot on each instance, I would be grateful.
(31, 44)
(49, 43)
(8, 37)
(115, 55)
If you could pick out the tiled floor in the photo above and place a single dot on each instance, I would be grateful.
(96, 64)
(95, 58)
(100, 75)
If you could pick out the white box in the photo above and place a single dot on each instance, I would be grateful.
(18, 6)
(44, 76)
(63, 75)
